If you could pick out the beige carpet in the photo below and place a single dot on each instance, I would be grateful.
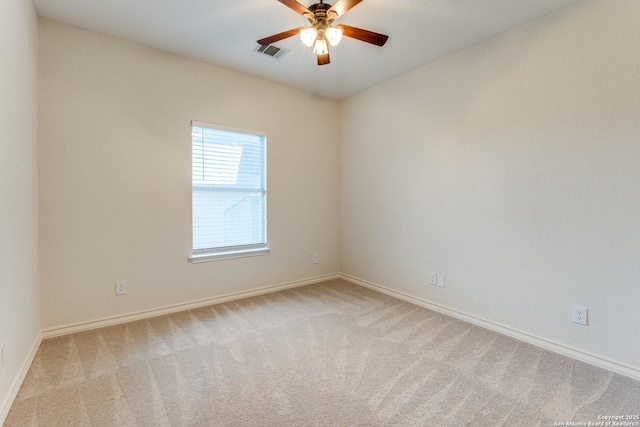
(331, 354)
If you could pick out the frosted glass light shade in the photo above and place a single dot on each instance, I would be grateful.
(321, 47)
(308, 36)
(334, 35)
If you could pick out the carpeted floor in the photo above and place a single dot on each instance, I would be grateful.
(330, 354)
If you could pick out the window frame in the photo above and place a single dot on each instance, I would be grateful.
(237, 251)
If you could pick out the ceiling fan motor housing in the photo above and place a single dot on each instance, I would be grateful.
(321, 17)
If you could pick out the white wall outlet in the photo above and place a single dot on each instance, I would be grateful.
(433, 278)
(440, 280)
(316, 259)
(579, 315)
(1, 355)
(121, 287)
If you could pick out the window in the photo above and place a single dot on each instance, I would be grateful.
(229, 193)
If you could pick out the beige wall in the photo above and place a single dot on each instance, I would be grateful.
(513, 168)
(19, 291)
(115, 194)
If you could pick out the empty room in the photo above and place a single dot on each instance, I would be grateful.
(299, 213)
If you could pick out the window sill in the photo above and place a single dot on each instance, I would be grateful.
(217, 256)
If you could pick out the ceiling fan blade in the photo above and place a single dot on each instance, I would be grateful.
(364, 35)
(276, 37)
(324, 58)
(295, 6)
(342, 6)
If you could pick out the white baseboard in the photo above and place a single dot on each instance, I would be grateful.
(17, 382)
(583, 356)
(145, 314)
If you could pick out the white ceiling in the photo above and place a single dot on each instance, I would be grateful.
(224, 33)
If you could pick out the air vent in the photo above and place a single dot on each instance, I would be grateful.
(271, 50)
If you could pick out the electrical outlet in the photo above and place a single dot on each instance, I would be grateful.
(316, 259)
(580, 315)
(433, 279)
(121, 287)
(440, 280)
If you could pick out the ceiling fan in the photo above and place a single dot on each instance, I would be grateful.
(322, 30)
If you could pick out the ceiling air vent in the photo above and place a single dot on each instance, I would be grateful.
(271, 50)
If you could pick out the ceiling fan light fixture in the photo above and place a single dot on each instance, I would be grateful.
(321, 47)
(308, 36)
(334, 35)
(321, 33)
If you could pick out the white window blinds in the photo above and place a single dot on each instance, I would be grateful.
(229, 192)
